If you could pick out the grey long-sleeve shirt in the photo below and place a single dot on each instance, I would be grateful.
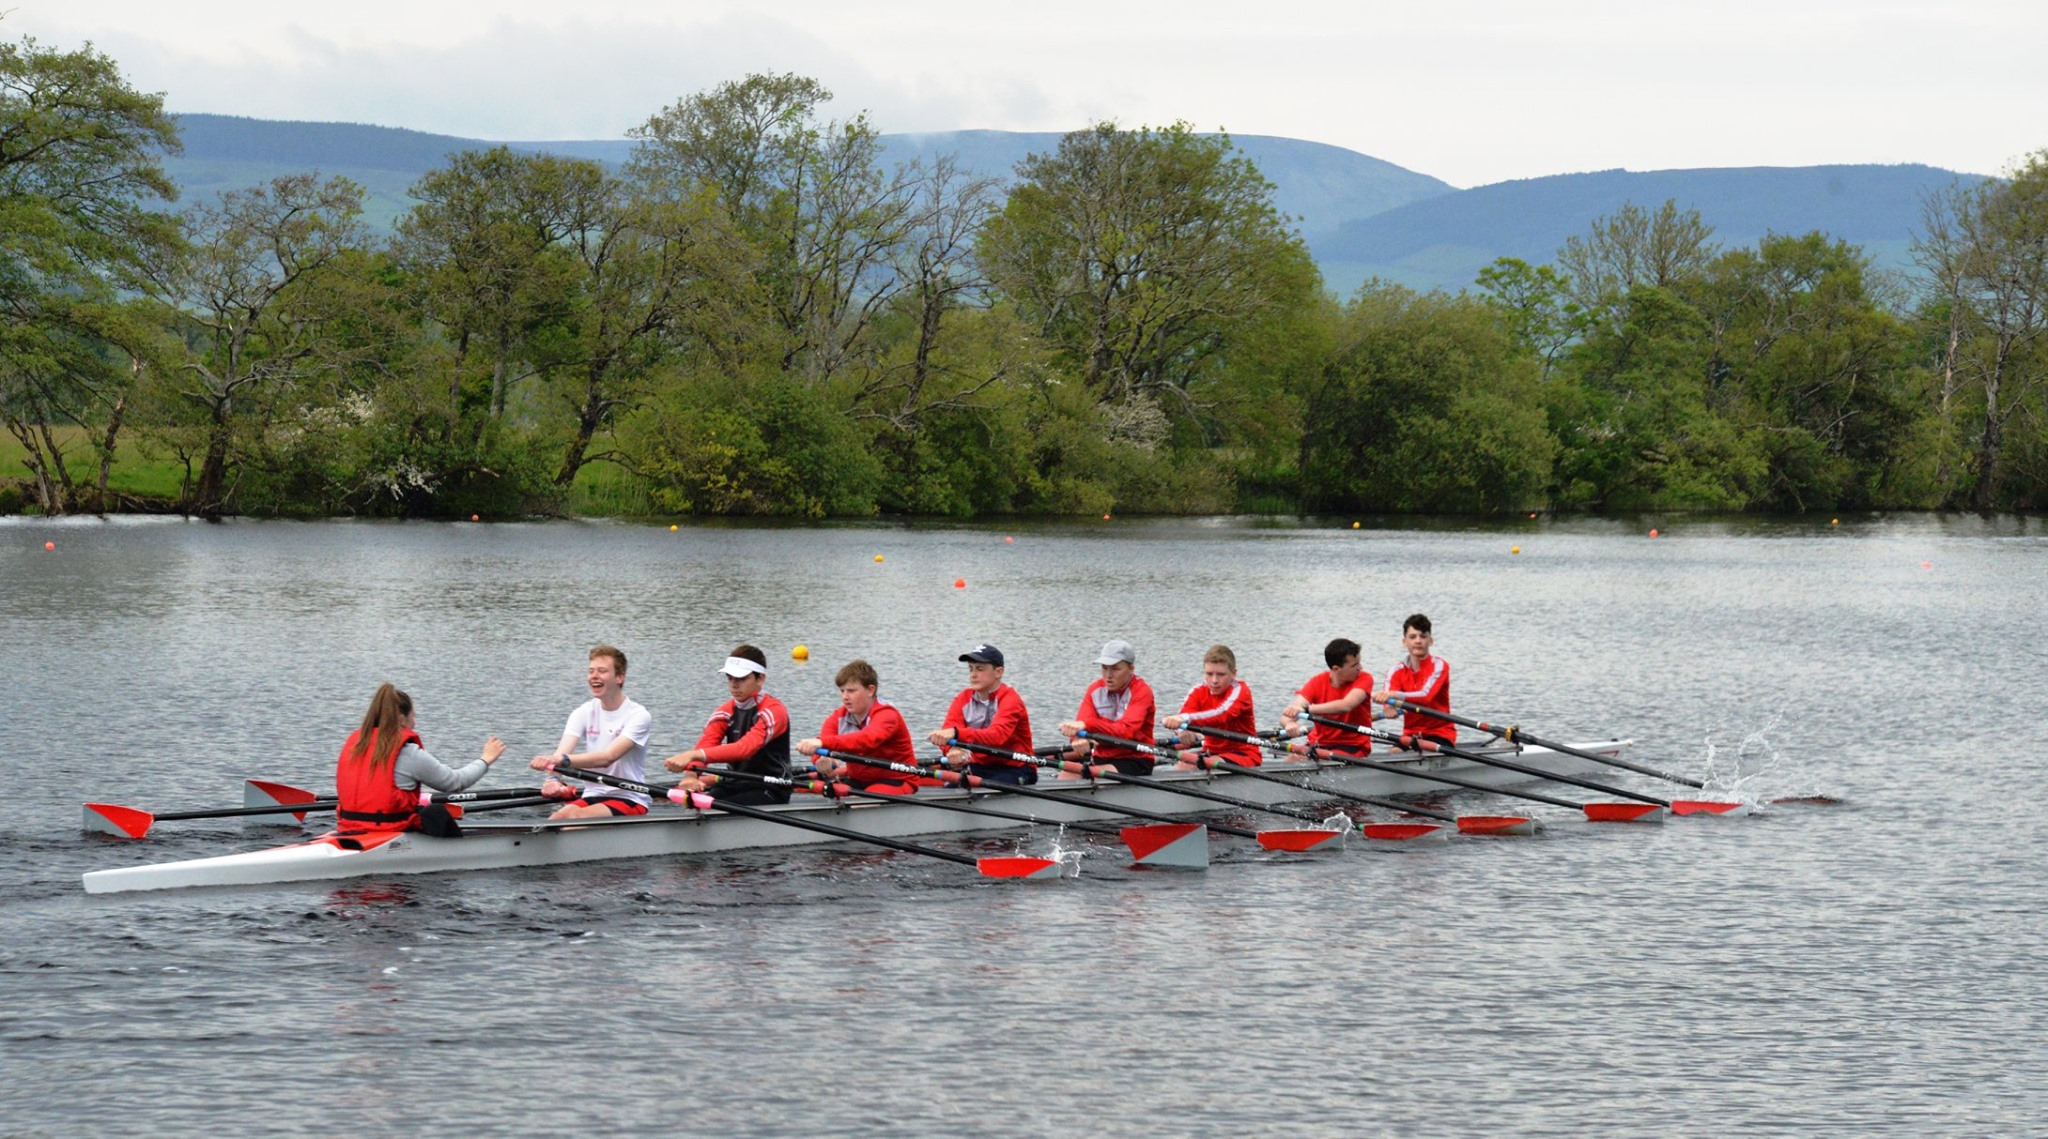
(417, 767)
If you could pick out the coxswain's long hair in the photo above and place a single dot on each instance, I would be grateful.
(384, 724)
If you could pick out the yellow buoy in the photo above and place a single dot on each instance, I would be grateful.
(800, 652)
(1834, 522)
(1354, 525)
(878, 557)
(671, 529)
(1514, 549)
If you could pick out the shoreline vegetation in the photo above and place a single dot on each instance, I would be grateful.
(755, 316)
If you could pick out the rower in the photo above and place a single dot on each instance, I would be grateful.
(749, 733)
(1344, 692)
(1221, 700)
(863, 725)
(1117, 703)
(383, 765)
(612, 731)
(1422, 679)
(990, 713)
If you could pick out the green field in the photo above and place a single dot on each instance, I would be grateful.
(133, 472)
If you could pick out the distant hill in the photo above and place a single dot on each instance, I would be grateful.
(1322, 186)
(1362, 217)
(1445, 241)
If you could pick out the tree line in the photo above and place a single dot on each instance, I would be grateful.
(754, 315)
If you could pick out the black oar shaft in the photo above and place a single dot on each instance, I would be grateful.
(1318, 788)
(1168, 753)
(979, 784)
(1504, 764)
(1513, 733)
(1351, 760)
(1105, 771)
(328, 803)
(783, 818)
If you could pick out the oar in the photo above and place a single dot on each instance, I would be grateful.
(1010, 866)
(133, 822)
(1392, 831)
(1166, 841)
(1676, 806)
(1350, 760)
(1644, 809)
(1514, 734)
(1467, 824)
(1291, 840)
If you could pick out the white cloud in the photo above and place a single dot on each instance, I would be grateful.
(1468, 90)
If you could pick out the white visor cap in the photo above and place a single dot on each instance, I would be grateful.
(737, 667)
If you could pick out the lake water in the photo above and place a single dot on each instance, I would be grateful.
(1874, 966)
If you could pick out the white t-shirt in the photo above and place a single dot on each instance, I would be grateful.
(598, 729)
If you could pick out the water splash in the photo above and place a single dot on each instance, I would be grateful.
(1755, 771)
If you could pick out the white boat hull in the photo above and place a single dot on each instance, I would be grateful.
(509, 845)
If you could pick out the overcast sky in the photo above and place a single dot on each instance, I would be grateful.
(1471, 91)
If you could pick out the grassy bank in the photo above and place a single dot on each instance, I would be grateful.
(133, 473)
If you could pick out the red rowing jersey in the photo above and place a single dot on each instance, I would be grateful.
(882, 735)
(1427, 683)
(1127, 714)
(1320, 689)
(1232, 712)
(1000, 720)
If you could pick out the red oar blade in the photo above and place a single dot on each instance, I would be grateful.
(1495, 825)
(1018, 866)
(264, 793)
(1710, 807)
(1183, 846)
(1399, 832)
(121, 822)
(1298, 841)
(1624, 812)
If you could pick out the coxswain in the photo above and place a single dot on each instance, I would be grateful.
(383, 766)
(990, 713)
(1420, 678)
(748, 733)
(611, 733)
(1117, 703)
(1223, 701)
(863, 724)
(1344, 692)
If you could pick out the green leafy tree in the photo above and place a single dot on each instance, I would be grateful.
(1144, 256)
(257, 295)
(80, 177)
(1425, 405)
(824, 219)
(1986, 248)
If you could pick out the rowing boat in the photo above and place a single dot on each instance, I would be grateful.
(511, 845)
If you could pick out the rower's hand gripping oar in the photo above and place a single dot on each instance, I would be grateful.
(1646, 808)
(1514, 734)
(1165, 841)
(1288, 840)
(1011, 866)
(1466, 824)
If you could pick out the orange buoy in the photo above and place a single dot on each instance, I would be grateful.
(959, 583)
(1008, 540)
(474, 518)
(49, 545)
(1653, 532)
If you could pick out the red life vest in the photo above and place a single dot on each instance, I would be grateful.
(369, 797)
